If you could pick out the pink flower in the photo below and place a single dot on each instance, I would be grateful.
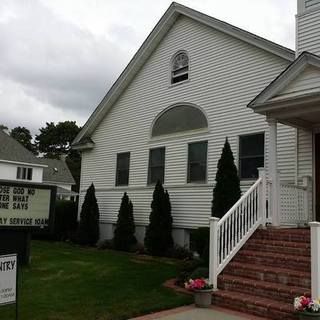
(197, 284)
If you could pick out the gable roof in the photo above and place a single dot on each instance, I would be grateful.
(148, 46)
(11, 150)
(286, 77)
(57, 171)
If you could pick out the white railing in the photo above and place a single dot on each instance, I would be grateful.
(228, 235)
(293, 204)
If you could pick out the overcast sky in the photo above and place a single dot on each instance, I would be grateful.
(58, 58)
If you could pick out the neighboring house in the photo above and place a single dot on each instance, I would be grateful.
(17, 163)
(195, 81)
(57, 173)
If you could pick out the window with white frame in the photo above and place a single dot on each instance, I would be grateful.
(197, 162)
(24, 173)
(251, 155)
(123, 166)
(180, 67)
(156, 165)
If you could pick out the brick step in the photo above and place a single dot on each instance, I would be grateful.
(272, 290)
(295, 235)
(269, 273)
(251, 304)
(289, 247)
(293, 262)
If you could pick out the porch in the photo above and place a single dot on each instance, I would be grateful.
(287, 210)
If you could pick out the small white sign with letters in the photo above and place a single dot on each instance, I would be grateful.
(8, 279)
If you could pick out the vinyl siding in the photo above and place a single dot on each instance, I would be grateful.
(308, 81)
(225, 75)
(305, 147)
(308, 31)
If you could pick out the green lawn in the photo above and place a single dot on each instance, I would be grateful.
(66, 282)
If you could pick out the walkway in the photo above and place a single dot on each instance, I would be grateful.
(192, 313)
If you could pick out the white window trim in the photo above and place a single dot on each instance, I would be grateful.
(195, 183)
(239, 159)
(180, 134)
(26, 177)
(171, 69)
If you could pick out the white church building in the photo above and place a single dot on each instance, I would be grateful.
(195, 81)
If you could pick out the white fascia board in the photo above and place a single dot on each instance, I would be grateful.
(288, 75)
(271, 106)
(24, 163)
(238, 33)
(55, 183)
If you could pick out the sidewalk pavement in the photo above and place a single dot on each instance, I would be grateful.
(192, 313)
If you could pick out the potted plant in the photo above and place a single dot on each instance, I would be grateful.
(202, 292)
(307, 308)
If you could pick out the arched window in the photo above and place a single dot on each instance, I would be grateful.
(179, 119)
(180, 67)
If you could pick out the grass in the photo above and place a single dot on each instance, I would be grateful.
(66, 282)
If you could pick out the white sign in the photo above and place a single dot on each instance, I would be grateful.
(8, 279)
(24, 206)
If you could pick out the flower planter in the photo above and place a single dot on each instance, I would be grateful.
(309, 315)
(203, 298)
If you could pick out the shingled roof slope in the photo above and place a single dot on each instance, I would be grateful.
(57, 171)
(12, 150)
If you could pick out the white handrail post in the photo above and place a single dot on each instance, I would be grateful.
(315, 259)
(263, 196)
(213, 252)
(306, 184)
(273, 172)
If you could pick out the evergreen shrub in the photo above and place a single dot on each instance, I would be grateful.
(158, 238)
(124, 237)
(88, 230)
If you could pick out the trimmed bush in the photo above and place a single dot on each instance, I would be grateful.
(124, 237)
(88, 230)
(177, 252)
(185, 270)
(227, 189)
(200, 272)
(65, 221)
(200, 242)
(158, 237)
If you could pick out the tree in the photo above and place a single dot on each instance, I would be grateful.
(88, 231)
(23, 136)
(3, 127)
(227, 189)
(55, 140)
(124, 232)
(158, 237)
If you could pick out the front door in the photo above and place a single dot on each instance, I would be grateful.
(317, 174)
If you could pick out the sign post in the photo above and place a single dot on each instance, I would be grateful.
(9, 280)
